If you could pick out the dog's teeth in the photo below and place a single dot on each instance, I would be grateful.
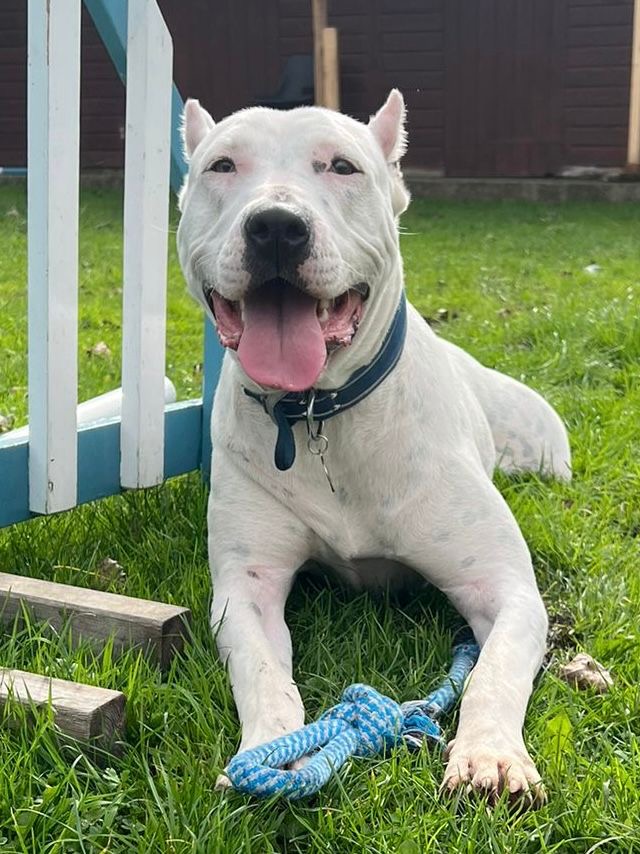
(240, 305)
(323, 310)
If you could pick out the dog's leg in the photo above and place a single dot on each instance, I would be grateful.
(256, 546)
(478, 557)
(247, 617)
(488, 752)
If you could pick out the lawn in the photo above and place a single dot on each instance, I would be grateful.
(507, 281)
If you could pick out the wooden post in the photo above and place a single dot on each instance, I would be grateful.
(319, 13)
(330, 68)
(633, 149)
(95, 616)
(82, 712)
(146, 219)
(53, 137)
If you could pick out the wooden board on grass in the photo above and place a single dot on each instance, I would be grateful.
(83, 712)
(96, 616)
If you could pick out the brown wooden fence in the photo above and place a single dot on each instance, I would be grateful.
(494, 87)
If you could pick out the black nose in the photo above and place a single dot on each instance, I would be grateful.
(277, 235)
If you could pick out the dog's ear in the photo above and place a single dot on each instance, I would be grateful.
(387, 126)
(196, 124)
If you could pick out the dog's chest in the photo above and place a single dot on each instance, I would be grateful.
(376, 491)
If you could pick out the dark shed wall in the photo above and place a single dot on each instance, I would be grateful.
(13, 83)
(225, 53)
(596, 82)
(230, 51)
(229, 59)
(102, 94)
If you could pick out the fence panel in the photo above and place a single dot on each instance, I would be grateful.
(61, 461)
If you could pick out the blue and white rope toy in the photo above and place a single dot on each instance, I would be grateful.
(364, 723)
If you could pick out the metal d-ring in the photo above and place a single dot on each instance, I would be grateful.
(317, 442)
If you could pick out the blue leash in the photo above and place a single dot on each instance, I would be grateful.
(364, 723)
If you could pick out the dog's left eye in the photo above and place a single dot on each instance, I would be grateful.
(224, 164)
(341, 166)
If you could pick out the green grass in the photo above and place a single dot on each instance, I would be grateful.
(511, 279)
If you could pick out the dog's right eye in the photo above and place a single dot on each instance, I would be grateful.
(223, 164)
(342, 166)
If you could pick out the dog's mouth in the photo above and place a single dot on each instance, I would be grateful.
(283, 336)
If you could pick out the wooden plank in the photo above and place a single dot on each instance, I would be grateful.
(92, 615)
(604, 15)
(412, 60)
(330, 68)
(53, 163)
(402, 7)
(633, 139)
(595, 136)
(588, 155)
(599, 36)
(597, 77)
(596, 96)
(409, 23)
(596, 116)
(319, 17)
(404, 42)
(146, 220)
(83, 712)
(599, 57)
(575, 3)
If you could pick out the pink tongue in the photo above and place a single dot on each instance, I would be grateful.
(282, 345)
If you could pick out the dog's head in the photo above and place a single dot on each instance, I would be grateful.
(288, 235)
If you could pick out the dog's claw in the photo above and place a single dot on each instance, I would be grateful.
(488, 774)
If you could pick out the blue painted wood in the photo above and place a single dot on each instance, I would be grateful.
(213, 356)
(14, 482)
(110, 19)
(179, 167)
(182, 437)
(99, 459)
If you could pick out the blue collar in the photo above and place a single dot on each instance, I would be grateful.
(319, 405)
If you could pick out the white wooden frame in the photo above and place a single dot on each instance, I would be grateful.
(146, 201)
(53, 174)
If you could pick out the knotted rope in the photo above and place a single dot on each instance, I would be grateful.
(364, 723)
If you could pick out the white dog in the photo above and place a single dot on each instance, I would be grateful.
(289, 240)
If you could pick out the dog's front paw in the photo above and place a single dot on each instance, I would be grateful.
(490, 770)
